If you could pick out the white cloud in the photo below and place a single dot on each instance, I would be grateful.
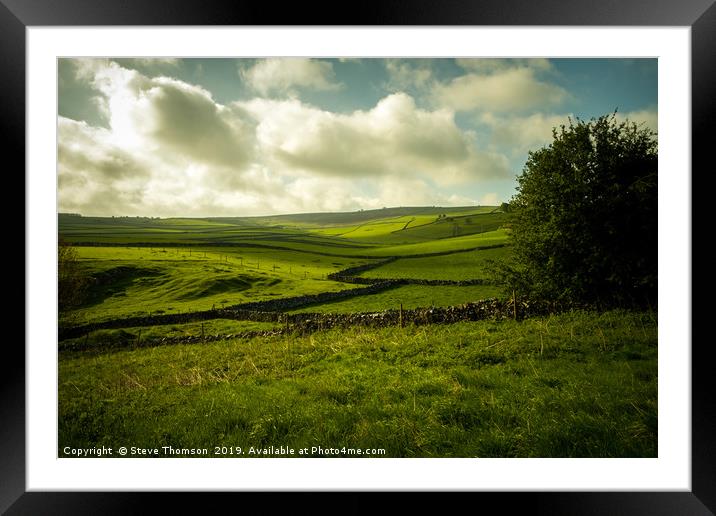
(283, 75)
(395, 137)
(490, 199)
(644, 118)
(489, 65)
(171, 150)
(416, 192)
(169, 116)
(344, 194)
(521, 134)
(95, 174)
(510, 90)
(157, 61)
(98, 177)
(169, 147)
(405, 75)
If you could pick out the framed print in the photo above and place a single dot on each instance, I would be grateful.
(349, 307)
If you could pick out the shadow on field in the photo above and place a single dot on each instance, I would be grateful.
(115, 282)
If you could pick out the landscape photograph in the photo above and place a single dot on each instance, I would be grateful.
(357, 257)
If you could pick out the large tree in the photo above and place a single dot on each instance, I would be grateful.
(584, 218)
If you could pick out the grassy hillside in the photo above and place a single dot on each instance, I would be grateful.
(353, 217)
(136, 281)
(410, 296)
(143, 266)
(574, 385)
(456, 267)
(412, 224)
(578, 384)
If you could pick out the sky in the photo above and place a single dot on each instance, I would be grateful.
(208, 137)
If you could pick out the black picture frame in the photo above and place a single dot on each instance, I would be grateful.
(17, 15)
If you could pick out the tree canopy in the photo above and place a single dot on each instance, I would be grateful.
(584, 218)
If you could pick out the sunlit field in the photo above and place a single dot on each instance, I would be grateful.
(576, 384)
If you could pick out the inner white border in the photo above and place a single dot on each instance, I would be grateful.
(671, 471)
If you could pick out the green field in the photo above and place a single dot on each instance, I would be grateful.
(456, 267)
(154, 335)
(420, 228)
(575, 384)
(410, 296)
(162, 266)
(138, 281)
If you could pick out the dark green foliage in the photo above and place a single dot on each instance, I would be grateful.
(584, 219)
(72, 281)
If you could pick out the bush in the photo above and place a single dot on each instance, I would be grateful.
(584, 219)
(72, 281)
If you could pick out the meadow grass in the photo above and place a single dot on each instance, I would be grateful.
(446, 245)
(140, 281)
(128, 337)
(573, 385)
(455, 267)
(410, 296)
(418, 228)
(377, 237)
(143, 280)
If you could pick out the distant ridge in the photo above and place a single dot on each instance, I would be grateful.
(316, 218)
(349, 217)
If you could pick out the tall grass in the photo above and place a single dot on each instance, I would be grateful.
(574, 385)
